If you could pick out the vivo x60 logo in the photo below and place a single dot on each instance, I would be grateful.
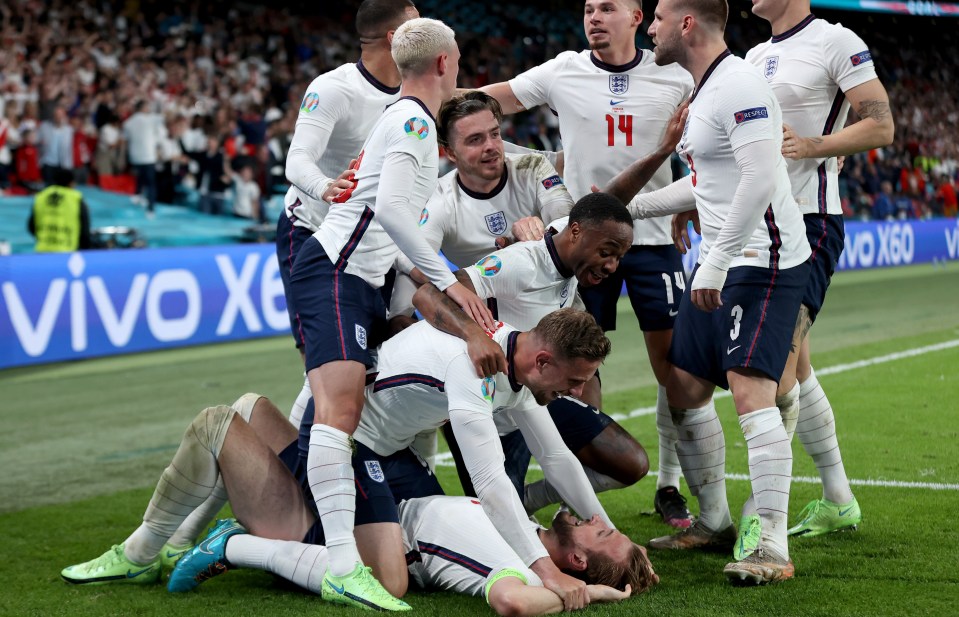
(123, 308)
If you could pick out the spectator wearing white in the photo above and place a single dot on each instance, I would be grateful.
(141, 132)
(246, 195)
(56, 144)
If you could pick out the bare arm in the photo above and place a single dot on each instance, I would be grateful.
(441, 312)
(503, 93)
(875, 128)
(511, 597)
(629, 182)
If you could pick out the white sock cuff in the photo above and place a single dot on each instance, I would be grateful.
(760, 422)
(811, 383)
(211, 425)
(789, 398)
(326, 436)
(244, 405)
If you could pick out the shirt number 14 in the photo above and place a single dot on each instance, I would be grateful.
(625, 126)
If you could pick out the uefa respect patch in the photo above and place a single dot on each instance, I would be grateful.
(552, 181)
(310, 102)
(417, 127)
(861, 57)
(754, 113)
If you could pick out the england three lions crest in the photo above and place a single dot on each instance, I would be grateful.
(496, 223)
(618, 84)
(771, 64)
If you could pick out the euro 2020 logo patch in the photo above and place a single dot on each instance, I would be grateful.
(375, 471)
(417, 127)
(770, 66)
(424, 217)
(618, 84)
(488, 388)
(496, 223)
(489, 265)
(310, 102)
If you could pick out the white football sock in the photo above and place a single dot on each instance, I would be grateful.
(817, 432)
(334, 490)
(185, 484)
(669, 469)
(788, 405)
(541, 493)
(299, 405)
(770, 472)
(198, 520)
(302, 564)
(702, 454)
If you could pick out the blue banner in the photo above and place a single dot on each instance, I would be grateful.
(95, 303)
(880, 244)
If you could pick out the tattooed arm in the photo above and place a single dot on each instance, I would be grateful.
(874, 129)
(441, 312)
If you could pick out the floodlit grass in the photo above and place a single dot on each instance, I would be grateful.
(83, 444)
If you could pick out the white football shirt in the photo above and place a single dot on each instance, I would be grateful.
(352, 234)
(452, 545)
(524, 282)
(343, 104)
(809, 67)
(609, 116)
(465, 224)
(734, 106)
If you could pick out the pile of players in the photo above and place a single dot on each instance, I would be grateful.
(505, 359)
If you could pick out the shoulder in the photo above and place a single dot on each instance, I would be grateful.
(528, 167)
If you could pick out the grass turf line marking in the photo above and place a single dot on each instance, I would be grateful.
(445, 459)
(829, 370)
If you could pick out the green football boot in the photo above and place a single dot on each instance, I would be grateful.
(821, 516)
(750, 530)
(112, 567)
(361, 590)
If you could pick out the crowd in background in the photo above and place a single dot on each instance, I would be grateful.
(198, 100)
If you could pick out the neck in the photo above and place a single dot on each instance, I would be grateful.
(523, 360)
(564, 247)
(425, 89)
(380, 65)
(478, 184)
(795, 12)
(699, 58)
(551, 544)
(619, 54)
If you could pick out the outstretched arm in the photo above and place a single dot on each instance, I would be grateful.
(511, 597)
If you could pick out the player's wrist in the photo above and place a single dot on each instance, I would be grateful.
(709, 276)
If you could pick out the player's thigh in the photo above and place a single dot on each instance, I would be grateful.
(758, 318)
(266, 420)
(655, 281)
(827, 237)
(337, 311)
(264, 494)
(695, 351)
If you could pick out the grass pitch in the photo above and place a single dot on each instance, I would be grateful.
(83, 444)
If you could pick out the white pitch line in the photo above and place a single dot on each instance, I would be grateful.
(445, 459)
(829, 370)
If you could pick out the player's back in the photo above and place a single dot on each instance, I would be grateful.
(350, 234)
(345, 103)
(452, 545)
(809, 67)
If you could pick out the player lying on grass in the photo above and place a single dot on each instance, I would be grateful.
(451, 545)
(427, 374)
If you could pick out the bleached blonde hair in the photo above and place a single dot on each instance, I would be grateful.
(418, 42)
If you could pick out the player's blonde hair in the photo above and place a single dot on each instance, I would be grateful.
(573, 334)
(418, 42)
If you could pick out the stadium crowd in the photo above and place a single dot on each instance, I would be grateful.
(220, 86)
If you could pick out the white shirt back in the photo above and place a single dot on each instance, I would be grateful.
(733, 107)
(809, 68)
(350, 230)
(609, 116)
(345, 103)
(142, 134)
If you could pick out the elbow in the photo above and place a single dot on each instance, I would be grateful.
(888, 134)
(508, 603)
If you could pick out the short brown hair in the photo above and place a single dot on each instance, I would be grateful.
(573, 334)
(602, 570)
(375, 18)
(462, 105)
(712, 12)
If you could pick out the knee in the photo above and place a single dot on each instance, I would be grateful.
(246, 404)
(210, 426)
(635, 465)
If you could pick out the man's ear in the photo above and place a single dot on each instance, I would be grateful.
(543, 357)
(576, 561)
(443, 63)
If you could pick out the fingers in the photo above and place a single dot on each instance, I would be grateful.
(502, 242)
(707, 300)
(593, 188)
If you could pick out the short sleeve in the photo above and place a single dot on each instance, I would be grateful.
(745, 108)
(848, 59)
(501, 275)
(532, 87)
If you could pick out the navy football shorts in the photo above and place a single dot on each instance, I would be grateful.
(752, 329)
(827, 238)
(289, 241)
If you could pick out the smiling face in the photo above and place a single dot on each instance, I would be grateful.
(598, 249)
(476, 147)
(610, 22)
